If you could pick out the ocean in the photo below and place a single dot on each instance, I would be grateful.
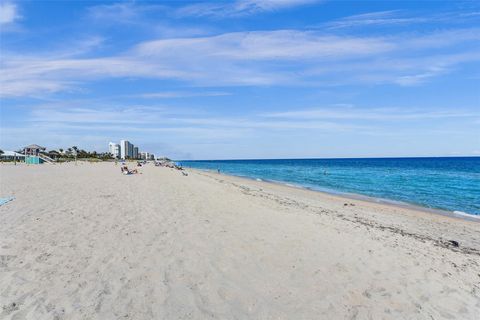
(447, 183)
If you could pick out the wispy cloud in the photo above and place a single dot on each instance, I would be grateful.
(218, 60)
(342, 112)
(182, 94)
(375, 19)
(8, 13)
(267, 45)
(403, 70)
(398, 18)
(187, 131)
(153, 117)
(239, 7)
(253, 58)
(122, 12)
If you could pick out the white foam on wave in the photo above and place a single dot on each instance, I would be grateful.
(297, 186)
(464, 214)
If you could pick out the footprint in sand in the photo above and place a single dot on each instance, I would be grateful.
(43, 257)
(5, 260)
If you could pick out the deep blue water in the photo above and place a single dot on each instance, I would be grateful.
(451, 184)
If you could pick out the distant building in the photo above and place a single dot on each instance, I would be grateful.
(135, 152)
(126, 149)
(146, 156)
(114, 149)
(33, 150)
(12, 155)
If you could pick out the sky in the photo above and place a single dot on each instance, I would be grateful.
(243, 78)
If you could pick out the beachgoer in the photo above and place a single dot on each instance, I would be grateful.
(125, 170)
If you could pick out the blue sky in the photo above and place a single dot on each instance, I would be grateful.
(243, 79)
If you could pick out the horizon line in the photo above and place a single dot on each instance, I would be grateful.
(334, 158)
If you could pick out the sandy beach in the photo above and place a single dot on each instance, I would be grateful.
(86, 242)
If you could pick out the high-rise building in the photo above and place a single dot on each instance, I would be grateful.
(146, 156)
(126, 149)
(114, 149)
(135, 152)
(130, 150)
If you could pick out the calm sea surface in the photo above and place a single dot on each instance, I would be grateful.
(451, 184)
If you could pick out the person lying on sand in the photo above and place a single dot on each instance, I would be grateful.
(125, 170)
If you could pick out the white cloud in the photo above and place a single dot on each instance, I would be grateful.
(379, 18)
(102, 118)
(415, 79)
(225, 59)
(266, 45)
(122, 12)
(251, 58)
(404, 70)
(398, 18)
(340, 112)
(8, 13)
(181, 94)
(239, 7)
(91, 125)
(31, 87)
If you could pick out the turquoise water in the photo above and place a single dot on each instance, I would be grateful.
(451, 183)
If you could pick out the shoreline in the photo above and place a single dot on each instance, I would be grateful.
(355, 196)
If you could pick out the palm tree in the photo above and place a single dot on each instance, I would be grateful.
(61, 150)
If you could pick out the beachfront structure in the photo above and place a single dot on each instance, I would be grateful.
(12, 156)
(135, 152)
(33, 150)
(126, 149)
(35, 154)
(147, 156)
(114, 149)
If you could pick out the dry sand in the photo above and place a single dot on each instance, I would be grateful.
(85, 242)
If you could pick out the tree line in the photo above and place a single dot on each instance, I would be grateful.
(74, 151)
